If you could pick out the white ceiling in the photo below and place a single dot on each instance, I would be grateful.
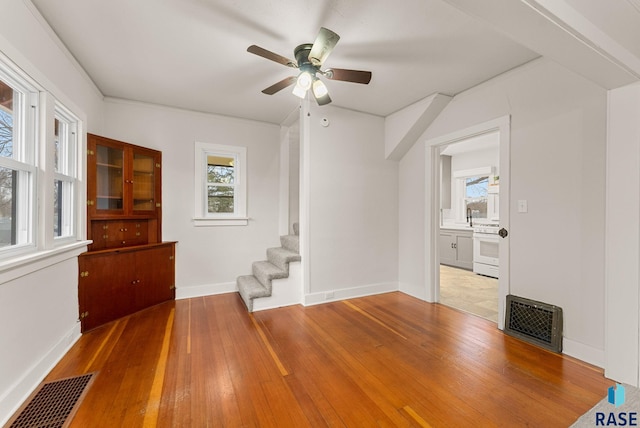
(191, 54)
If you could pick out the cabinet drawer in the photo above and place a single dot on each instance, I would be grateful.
(119, 233)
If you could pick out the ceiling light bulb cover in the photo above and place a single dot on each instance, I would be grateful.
(319, 88)
(299, 92)
(304, 80)
(303, 83)
(320, 92)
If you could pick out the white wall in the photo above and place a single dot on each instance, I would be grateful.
(466, 161)
(29, 42)
(39, 303)
(558, 123)
(412, 193)
(623, 235)
(353, 214)
(294, 176)
(476, 159)
(208, 259)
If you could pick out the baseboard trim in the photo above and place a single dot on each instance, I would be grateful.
(349, 293)
(583, 352)
(205, 290)
(417, 291)
(11, 401)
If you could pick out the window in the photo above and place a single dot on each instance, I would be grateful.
(472, 194)
(220, 185)
(476, 192)
(39, 164)
(17, 163)
(64, 181)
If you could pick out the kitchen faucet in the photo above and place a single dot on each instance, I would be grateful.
(470, 217)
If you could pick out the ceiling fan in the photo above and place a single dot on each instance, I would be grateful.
(308, 59)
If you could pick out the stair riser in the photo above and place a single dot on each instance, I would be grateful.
(259, 284)
(291, 243)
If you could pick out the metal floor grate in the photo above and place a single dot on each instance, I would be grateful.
(53, 404)
(535, 322)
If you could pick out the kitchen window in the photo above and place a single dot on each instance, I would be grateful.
(472, 193)
(475, 195)
(220, 185)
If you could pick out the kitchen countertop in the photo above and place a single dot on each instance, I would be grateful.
(456, 226)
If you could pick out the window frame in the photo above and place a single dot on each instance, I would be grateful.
(67, 172)
(23, 161)
(204, 218)
(460, 185)
(34, 154)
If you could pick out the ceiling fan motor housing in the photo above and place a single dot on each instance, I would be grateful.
(301, 53)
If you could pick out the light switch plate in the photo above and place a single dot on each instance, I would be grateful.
(522, 206)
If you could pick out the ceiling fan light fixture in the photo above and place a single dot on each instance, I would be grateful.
(320, 92)
(303, 83)
(319, 88)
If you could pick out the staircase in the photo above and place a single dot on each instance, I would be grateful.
(259, 285)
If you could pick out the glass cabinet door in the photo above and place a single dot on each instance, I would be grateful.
(143, 182)
(109, 178)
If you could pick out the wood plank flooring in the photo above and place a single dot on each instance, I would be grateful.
(380, 361)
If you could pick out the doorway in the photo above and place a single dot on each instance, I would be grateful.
(469, 219)
(468, 194)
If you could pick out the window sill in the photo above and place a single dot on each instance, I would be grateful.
(231, 221)
(20, 266)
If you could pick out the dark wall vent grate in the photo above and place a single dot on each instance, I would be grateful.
(53, 404)
(535, 322)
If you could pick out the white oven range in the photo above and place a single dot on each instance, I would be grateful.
(485, 249)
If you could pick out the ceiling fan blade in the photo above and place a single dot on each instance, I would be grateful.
(287, 81)
(322, 47)
(355, 76)
(257, 50)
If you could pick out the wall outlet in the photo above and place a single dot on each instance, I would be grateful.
(329, 295)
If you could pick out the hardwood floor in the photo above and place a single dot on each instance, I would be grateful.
(387, 360)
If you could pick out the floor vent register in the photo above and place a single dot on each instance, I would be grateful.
(53, 404)
(535, 322)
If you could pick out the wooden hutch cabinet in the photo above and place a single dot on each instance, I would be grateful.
(127, 267)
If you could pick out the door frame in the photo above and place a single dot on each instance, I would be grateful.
(433, 149)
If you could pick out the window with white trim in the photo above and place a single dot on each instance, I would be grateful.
(18, 104)
(40, 162)
(64, 182)
(220, 183)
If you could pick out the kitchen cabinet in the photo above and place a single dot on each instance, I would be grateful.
(127, 267)
(456, 248)
(116, 283)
